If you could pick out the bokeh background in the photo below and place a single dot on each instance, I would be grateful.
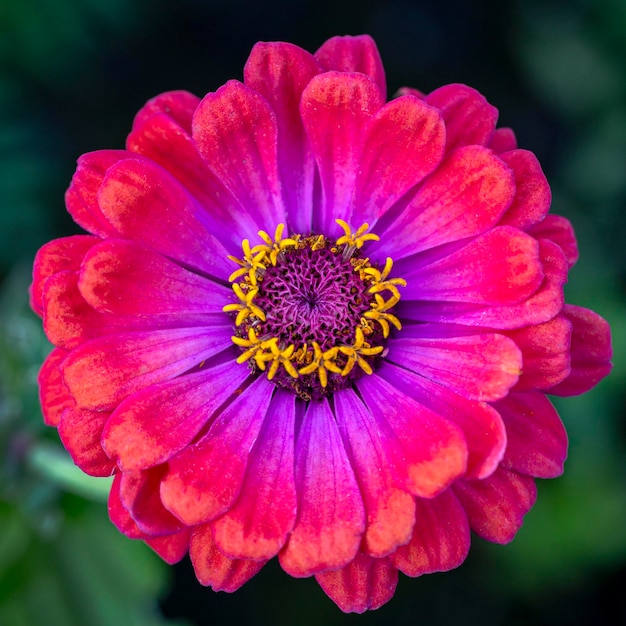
(72, 75)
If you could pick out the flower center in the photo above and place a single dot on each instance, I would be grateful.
(311, 312)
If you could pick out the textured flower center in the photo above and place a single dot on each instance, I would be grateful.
(311, 312)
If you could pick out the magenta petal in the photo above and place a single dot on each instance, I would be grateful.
(154, 424)
(480, 367)
(235, 131)
(560, 230)
(354, 54)
(364, 584)
(330, 519)
(532, 195)
(57, 256)
(390, 511)
(482, 428)
(139, 493)
(441, 537)
(496, 505)
(205, 478)
(171, 548)
(537, 441)
(503, 140)
(118, 513)
(500, 267)
(591, 351)
(53, 393)
(125, 278)
(102, 372)
(178, 105)
(465, 196)
(404, 143)
(280, 72)
(425, 451)
(257, 525)
(81, 198)
(335, 110)
(80, 432)
(215, 570)
(469, 118)
(146, 204)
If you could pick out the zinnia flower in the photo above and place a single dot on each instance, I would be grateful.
(313, 324)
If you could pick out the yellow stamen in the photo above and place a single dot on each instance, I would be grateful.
(355, 239)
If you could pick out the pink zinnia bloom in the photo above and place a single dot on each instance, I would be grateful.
(313, 324)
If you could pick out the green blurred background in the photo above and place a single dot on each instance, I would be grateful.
(72, 75)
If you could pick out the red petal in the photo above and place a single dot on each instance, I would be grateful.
(154, 424)
(465, 196)
(496, 505)
(280, 72)
(119, 515)
(235, 132)
(80, 431)
(537, 441)
(591, 351)
(560, 230)
(390, 511)
(213, 568)
(335, 109)
(364, 584)
(441, 537)
(404, 142)
(532, 196)
(469, 118)
(426, 451)
(257, 526)
(204, 480)
(354, 54)
(171, 548)
(330, 519)
(104, 371)
(178, 105)
(53, 394)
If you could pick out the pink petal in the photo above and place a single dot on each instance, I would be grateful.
(560, 230)
(235, 132)
(177, 105)
(500, 267)
(537, 441)
(469, 118)
(390, 512)
(139, 494)
(543, 305)
(425, 451)
(335, 109)
(118, 513)
(125, 278)
(214, 569)
(496, 506)
(465, 196)
(503, 140)
(54, 396)
(480, 367)
(330, 519)
(354, 54)
(482, 428)
(80, 432)
(280, 72)
(104, 371)
(171, 548)
(364, 584)
(404, 142)
(258, 524)
(441, 537)
(81, 198)
(57, 256)
(532, 196)
(545, 352)
(154, 424)
(205, 479)
(144, 203)
(591, 351)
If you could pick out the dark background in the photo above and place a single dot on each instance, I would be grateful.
(72, 75)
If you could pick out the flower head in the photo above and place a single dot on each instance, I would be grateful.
(313, 324)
